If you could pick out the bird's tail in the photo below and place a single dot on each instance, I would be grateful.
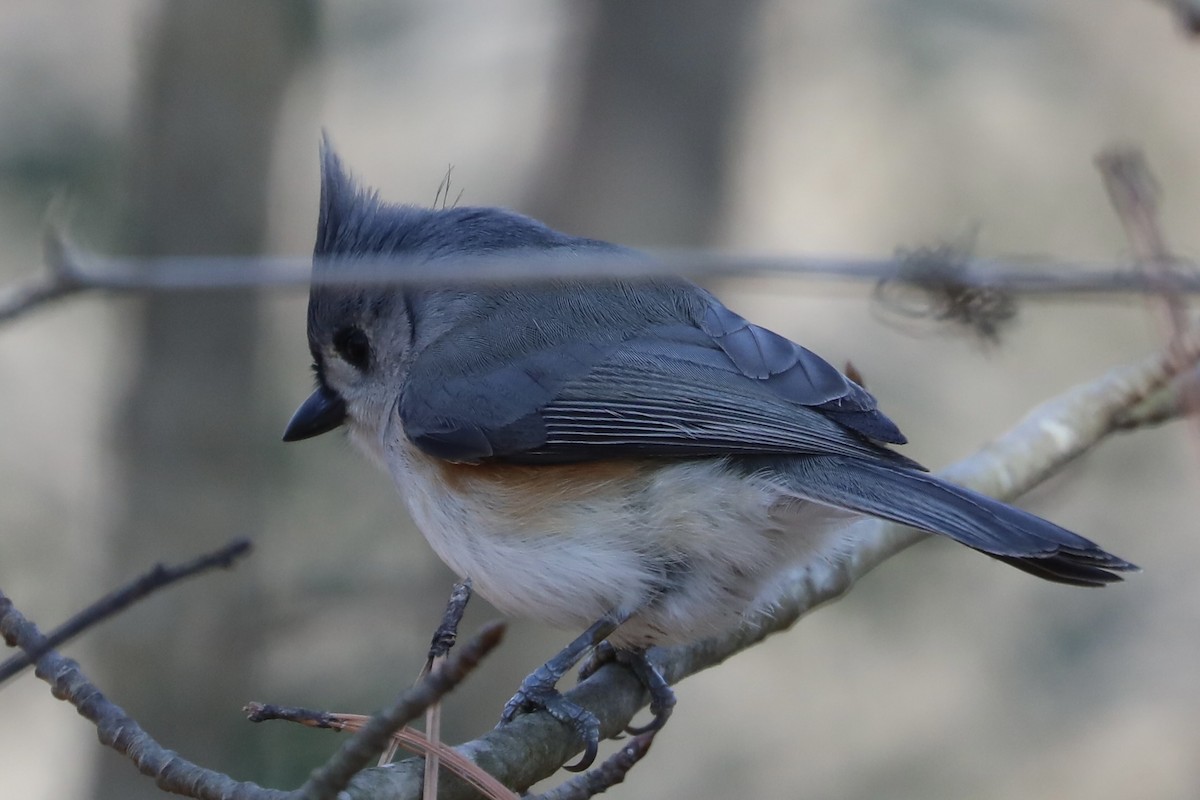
(923, 501)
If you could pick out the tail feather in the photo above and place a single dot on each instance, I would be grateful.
(1063, 570)
(923, 501)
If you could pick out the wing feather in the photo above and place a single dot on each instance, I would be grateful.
(709, 386)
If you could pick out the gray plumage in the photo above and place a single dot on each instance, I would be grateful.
(568, 372)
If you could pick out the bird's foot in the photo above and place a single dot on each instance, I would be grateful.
(662, 697)
(538, 692)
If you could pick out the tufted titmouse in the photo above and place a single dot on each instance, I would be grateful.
(632, 458)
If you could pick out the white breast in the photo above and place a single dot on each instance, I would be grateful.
(685, 546)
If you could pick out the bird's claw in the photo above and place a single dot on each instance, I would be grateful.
(662, 697)
(661, 715)
(535, 693)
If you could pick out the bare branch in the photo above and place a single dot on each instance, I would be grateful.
(447, 631)
(353, 756)
(1165, 405)
(117, 729)
(73, 270)
(173, 773)
(1134, 194)
(443, 639)
(113, 603)
(409, 739)
(60, 281)
(1187, 14)
(604, 777)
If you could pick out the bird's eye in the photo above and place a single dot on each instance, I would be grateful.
(353, 346)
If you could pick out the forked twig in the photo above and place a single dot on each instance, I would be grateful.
(159, 577)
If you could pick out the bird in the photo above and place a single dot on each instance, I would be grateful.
(625, 457)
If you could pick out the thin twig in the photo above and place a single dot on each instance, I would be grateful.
(73, 270)
(117, 729)
(429, 744)
(443, 639)
(173, 773)
(447, 631)
(352, 757)
(604, 777)
(1134, 194)
(113, 603)
(59, 282)
(183, 273)
(311, 718)
(413, 741)
(1187, 14)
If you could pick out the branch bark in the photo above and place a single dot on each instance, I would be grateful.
(177, 775)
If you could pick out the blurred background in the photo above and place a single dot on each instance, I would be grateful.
(137, 430)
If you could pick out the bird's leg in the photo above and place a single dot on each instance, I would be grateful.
(662, 697)
(538, 690)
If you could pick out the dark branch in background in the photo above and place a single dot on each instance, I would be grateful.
(157, 578)
(59, 282)
(1134, 194)
(1187, 14)
(968, 284)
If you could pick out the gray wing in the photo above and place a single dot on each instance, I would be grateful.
(706, 383)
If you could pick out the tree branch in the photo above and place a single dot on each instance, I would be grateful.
(116, 728)
(113, 603)
(1187, 14)
(366, 744)
(611, 772)
(72, 271)
(175, 774)
(1134, 195)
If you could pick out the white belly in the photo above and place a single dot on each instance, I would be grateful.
(684, 546)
